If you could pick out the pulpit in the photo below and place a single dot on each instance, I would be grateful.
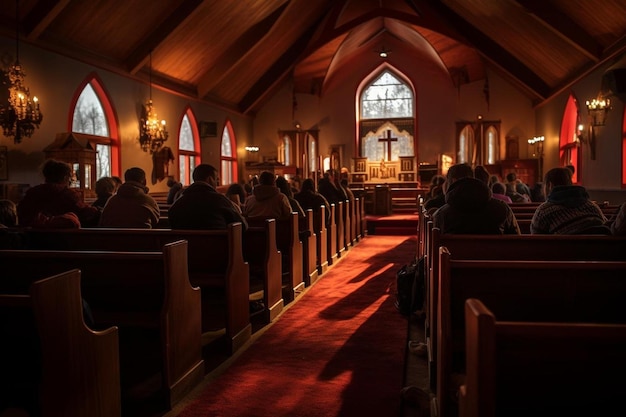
(382, 200)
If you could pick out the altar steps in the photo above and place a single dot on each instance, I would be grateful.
(403, 224)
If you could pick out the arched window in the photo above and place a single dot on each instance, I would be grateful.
(466, 145)
(284, 151)
(92, 114)
(386, 112)
(312, 155)
(228, 156)
(387, 97)
(491, 145)
(188, 147)
(569, 144)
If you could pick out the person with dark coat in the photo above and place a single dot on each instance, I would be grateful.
(470, 209)
(131, 206)
(326, 187)
(55, 197)
(201, 206)
(311, 199)
(175, 188)
(285, 188)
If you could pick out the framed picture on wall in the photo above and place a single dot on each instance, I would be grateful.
(4, 163)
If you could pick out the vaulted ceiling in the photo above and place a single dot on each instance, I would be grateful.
(235, 53)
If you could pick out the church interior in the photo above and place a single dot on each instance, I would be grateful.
(290, 85)
(385, 93)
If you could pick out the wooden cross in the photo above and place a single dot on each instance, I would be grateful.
(388, 139)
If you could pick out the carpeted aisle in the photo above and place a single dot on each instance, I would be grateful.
(338, 351)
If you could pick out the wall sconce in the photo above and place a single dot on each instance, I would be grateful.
(252, 148)
(537, 144)
(597, 110)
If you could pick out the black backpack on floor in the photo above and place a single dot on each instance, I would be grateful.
(410, 287)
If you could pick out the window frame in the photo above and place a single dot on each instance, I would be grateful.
(190, 159)
(106, 103)
(229, 161)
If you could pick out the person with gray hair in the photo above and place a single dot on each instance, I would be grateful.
(470, 208)
(568, 210)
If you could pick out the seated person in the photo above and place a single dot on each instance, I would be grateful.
(201, 206)
(266, 200)
(174, 189)
(567, 209)
(285, 188)
(8, 213)
(237, 194)
(618, 222)
(311, 199)
(469, 208)
(498, 191)
(437, 199)
(105, 188)
(131, 206)
(55, 197)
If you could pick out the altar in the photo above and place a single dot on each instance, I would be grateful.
(404, 170)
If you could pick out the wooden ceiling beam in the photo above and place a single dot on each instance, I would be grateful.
(494, 53)
(564, 27)
(227, 62)
(41, 16)
(278, 71)
(139, 57)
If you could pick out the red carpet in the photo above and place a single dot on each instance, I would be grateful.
(339, 351)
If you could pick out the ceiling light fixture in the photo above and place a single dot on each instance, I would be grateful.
(22, 115)
(383, 52)
(152, 131)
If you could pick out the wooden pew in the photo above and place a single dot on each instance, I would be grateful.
(290, 246)
(567, 291)
(508, 247)
(541, 369)
(76, 370)
(517, 247)
(347, 221)
(216, 265)
(341, 231)
(264, 260)
(319, 226)
(331, 245)
(143, 293)
(358, 218)
(309, 248)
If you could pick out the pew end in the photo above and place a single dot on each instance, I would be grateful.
(79, 370)
(541, 369)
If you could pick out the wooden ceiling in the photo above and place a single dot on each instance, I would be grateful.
(235, 53)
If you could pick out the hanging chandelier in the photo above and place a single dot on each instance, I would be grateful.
(22, 115)
(152, 132)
